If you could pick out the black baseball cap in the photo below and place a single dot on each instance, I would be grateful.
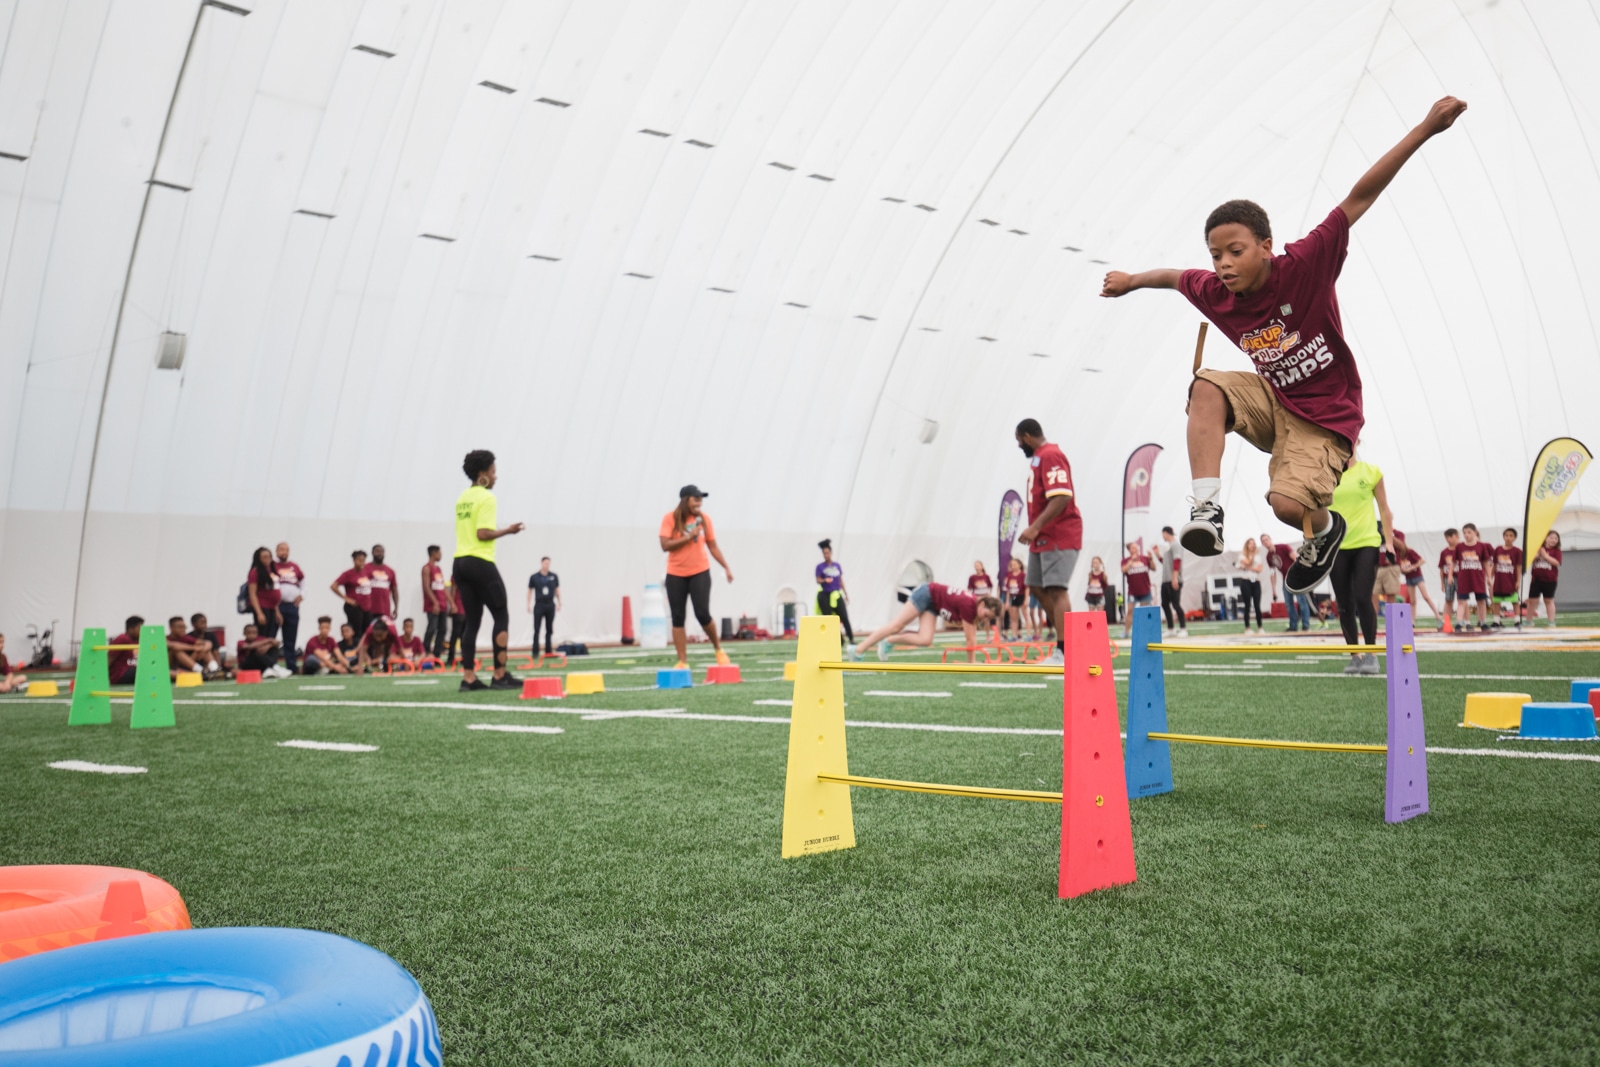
(691, 490)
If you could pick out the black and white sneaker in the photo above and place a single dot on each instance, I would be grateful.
(1315, 558)
(1202, 534)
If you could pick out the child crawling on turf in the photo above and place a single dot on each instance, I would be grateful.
(927, 604)
(1303, 403)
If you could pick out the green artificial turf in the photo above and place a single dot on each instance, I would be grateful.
(614, 894)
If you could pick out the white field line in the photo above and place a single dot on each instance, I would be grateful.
(328, 746)
(905, 693)
(319, 688)
(1563, 740)
(1221, 667)
(511, 728)
(95, 768)
(773, 703)
(679, 713)
(416, 681)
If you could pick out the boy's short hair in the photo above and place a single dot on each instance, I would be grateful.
(432, 549)
(251, 626)
(325, 618)
(413, 622)
(132, 622)
(1246, 213)
(175, 618)
(1030, 427)
(1166, 529)
(1512, 530)
(358, 552)
(1452, 532)
(1468, 526)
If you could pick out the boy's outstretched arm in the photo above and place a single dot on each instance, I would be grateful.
(1118, 282)
(1440, 117)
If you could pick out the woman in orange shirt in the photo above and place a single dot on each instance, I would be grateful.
(686, 536)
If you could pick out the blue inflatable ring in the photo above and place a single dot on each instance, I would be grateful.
(242, 997)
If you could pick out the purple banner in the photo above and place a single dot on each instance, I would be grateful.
(1010, 525)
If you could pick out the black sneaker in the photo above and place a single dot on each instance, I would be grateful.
(506, 681)
(1202, 534)
(1315, 558)
(473, 686)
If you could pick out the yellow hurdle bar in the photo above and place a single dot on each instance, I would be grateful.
(112, 693)
(981, 792)
(1248, 742)
(952, 668)
(114, 648)
(1304, 650)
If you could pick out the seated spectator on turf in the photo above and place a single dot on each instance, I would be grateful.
(258, 653)
(322, 651)
(355, 589)
(11, 679)
(122, 663)
(185, 652)
(378, 646)
(200, 627)
(410, 645)
(349, 646)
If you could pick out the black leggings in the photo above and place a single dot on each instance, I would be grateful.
(1353, 573)
(1250, 593)
(827, 605)
(481, 587)
(1172, 605)
(680, 591)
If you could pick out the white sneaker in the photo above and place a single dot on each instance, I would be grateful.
(1053, 659)
(280, 671)
(1182, 633)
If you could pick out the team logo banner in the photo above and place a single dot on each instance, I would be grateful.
(1136, 477)
(1555, 474)
(1010, 526)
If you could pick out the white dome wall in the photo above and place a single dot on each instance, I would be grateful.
(414, 324)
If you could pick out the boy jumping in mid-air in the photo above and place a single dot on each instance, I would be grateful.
(1303, 404)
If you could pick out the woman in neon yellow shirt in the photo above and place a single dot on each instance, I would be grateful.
(474, 574)
(1356, 567)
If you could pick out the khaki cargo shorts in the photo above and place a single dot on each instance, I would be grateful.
(1387, 581)
(1307, 460)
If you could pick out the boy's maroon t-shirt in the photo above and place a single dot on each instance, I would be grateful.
(1291, 329)
(1472, 567)
(318, 643)
(120, 663)
(951, 605)
(1446, 558)
(1507, 570)
(1138, 573)
(1544, 569)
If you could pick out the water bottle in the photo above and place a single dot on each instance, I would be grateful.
(653, 618)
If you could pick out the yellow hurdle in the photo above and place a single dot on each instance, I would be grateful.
(984, 792)
(951, 668)
(1304, 650)
(1251, 742)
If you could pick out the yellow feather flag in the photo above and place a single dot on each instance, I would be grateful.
(1559, 466)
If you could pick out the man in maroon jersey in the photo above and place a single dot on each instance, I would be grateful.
(1054, 534)
(435, 604)
(355, 589)
(1303, 403)
(384, 598)
(1473, 561)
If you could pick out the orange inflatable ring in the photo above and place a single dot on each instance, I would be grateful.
(50, 907)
